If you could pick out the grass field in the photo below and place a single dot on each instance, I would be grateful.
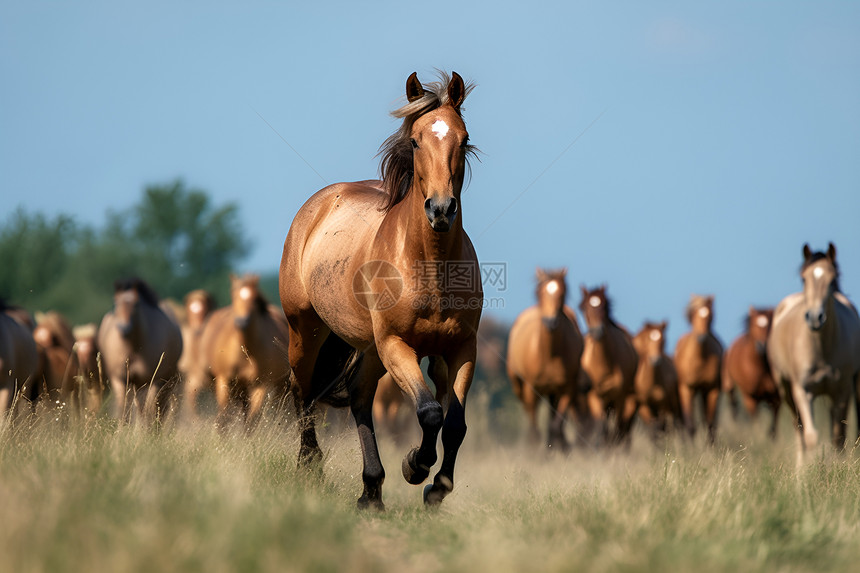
(104, 497)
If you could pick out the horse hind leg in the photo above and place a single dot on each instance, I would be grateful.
(839, 422)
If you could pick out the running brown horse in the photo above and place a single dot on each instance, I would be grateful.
(387, 407)
(544, 352)
(745, 367)
(57, 361)
(814, 348)
(18, 356)
(376, 275)
(243, 349)
(140, 347)
(698, 360)
(656, 380)
(610, 361)
(88, 390)
(198, 304)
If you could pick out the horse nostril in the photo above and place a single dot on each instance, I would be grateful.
(428, 205)
(808, 316)
(452, 207)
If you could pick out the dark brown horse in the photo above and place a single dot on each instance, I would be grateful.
(609, 360)
(814, 349)
(698, 360)
(745, 367)
(376, 275)
(544, 352)
(18, 356)
(656, 380)
(243, 349)
(140, 346)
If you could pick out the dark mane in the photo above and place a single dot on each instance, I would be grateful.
(396, 165)
(818, 256)
(145, 291)
(261, 303)
(607, 303)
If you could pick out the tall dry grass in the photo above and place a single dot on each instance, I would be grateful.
(100, 496)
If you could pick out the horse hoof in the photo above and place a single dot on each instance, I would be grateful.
(433, 494)
(366, 503)
(412, 471)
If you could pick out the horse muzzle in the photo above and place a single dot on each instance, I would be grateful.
(441, 213)
(550, 322)
(596, 332)
(815, 319)
(124, 329)
(241, 322)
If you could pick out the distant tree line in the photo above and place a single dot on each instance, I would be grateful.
(174, 238)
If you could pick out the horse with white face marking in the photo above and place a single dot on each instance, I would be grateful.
(544, 351)
(698, 360)
(814, 348)
(746, 367)
(609, 360)
(364, 286)
(656, 380)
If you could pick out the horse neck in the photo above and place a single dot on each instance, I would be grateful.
(603, 348)
(550, 341)
(826, 338)
(422, 242)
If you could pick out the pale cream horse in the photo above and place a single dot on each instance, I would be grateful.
(814, 348)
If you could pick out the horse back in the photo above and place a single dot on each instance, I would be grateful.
(18, 354)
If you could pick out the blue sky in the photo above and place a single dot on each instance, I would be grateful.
(727, 133)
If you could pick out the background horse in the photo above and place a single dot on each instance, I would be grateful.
(656, 380)
(140, 346)
(198, 304)
(388, 407)
(610, 361)
(58, 363)
(88, 389)
(698, 360)
(814, 348)
(18, 356)
(243, 348)
(745, 367)
(544, 352)
(365, 282)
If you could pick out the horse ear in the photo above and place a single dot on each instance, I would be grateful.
(456, 91)
(831, 252)
(414, 89)
(564, 271)
(540, 274)
(664, 325)
(807, 252)
(584, 291)
(752, 310)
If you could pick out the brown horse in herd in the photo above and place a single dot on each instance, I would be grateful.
(362, 283)
(54, 380)
(243, 349)
(610, 361)
(88, 388)
(656, 380)
(814, 348)
(388, 407)
(746, 368)
(140, 345)
(544, 352)
(698, 360)
(19, 356)
(198, 305)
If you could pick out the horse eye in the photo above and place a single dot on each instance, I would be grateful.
(465, 142)
(414, 144)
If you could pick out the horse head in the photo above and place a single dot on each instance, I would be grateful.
(700, 314)
(551, 293)
(820, 275)
(650, 343)
(246, 299)
(759, 322)
(198, 304)
(429, 153)
(595, 309)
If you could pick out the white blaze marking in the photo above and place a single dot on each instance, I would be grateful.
(195, 306)
(704, 311)
(440, 128)
(818, 272)
(761, 320)
(246, 293)
(552, 287)
(594, 301)
(655, 335)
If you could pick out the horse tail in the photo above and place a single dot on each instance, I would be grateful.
(336, 366)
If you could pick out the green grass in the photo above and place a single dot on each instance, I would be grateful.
(105, 497)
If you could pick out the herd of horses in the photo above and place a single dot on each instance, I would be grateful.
(344, 336)
(808, 346)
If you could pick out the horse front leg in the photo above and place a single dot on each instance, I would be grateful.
(402, 363)
(361, 394)
(462, 367)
